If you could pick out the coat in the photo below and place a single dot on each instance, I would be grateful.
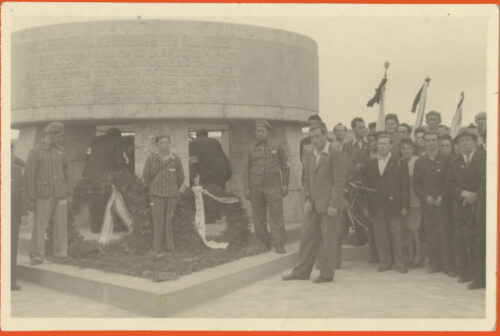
(324, 183)
(392, 188)
(470, 178)
(207, 159)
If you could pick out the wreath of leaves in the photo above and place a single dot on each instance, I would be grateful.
(135, 195)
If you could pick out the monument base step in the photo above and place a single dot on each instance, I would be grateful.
(161, 299)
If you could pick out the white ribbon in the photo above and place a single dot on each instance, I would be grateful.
(116, 204)
(199, 216)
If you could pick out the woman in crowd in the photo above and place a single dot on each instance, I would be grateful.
(412, 221)
(446, 145)
(164, 175)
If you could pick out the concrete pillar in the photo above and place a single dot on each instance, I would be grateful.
(145, 133)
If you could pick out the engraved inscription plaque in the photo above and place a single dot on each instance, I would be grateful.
(128, 69)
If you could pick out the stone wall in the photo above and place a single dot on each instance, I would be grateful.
(161, 69)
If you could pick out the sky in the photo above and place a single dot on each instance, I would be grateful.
(352, 51)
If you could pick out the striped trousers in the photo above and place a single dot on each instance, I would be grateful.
(162, 212)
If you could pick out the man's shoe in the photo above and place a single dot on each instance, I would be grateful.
(321, 280)
(402, 270)
(280, 249)
(34, 262)
(451, 274)
(15, 287)
(431, 269)
(383, 268)
(292, 277)
(462, 279)
(475, 285)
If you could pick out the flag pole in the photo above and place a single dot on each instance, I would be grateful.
(381, 112)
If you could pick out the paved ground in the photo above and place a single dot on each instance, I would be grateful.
(37, 301)
(358, 292)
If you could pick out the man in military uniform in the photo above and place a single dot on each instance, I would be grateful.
(266, 174)
(467, 179)
(46, 178)
(429, 183)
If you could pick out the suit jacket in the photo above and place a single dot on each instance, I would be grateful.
(324, 182)
(392, 188)
(357, 158)
(469, 178)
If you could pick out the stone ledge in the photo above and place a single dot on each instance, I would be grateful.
(161, 299)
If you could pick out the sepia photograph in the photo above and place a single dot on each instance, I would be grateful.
(249, 167)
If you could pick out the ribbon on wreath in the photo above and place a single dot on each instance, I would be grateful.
(199, 216)
(117, 205)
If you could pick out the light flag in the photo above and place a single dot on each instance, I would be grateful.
(456, 123)
(419, 105)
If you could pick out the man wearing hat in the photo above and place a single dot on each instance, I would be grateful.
(46, 177)
(266, 174)
(467, 177)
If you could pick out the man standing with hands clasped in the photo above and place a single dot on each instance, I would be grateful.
(266, 173)
(324, 182)
(388, 176)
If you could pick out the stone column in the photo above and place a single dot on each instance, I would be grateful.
(145, 133)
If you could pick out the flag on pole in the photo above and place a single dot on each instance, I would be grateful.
(419, 104)
(379, 98)
(456, 124)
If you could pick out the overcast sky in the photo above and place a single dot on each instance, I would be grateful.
(352, 51)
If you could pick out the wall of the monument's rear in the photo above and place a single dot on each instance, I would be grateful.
(161, 69)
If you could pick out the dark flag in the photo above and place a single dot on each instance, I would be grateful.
(378, 94)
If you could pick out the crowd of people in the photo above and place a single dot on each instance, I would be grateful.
(417, 196)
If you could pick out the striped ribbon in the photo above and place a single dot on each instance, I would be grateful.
(117, 205)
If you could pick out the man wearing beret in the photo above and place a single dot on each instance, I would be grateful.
(266, 173)
(466, 181)
(46, 177)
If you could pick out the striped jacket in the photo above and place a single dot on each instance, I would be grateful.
(265, 163)
(46, 172)
(163, 178)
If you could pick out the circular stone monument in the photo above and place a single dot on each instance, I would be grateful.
(165, 77)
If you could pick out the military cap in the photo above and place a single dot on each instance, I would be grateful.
(466, 132)
(263, 123)
(54, 127)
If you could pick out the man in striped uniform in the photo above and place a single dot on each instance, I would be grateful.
(46, 177)
(164, 175)
(266, 173)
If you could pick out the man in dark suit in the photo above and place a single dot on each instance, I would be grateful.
(358, 155)
(324, 182)
(208, 160)
(105, 155)
(388, 203)
(466, 181)
(429, 183)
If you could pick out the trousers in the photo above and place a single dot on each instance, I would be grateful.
(389, 238)
(46, 211)
(438, 229)
(266, 199)
(319, 229)
(162, 212)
